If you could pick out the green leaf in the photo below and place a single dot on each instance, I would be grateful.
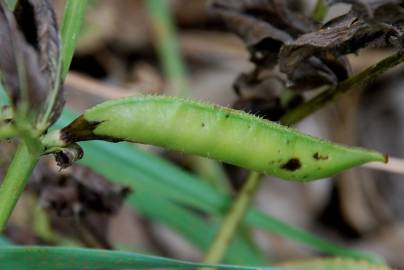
(73, 18)
(166, 41)
(56, 258)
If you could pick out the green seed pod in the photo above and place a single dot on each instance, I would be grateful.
(215, 132)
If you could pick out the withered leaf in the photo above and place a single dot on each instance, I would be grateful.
(344, 35)
(48, 40)
(260, 94)
(262, 38)
(31, 45)
(19, 65)
(79, 191)
(77, 200)
(266, 26)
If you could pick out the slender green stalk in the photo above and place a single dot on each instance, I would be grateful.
(320, 10)
(14, 182)
(166, 41)
(333, 92)
(73, 18)
(232, 220)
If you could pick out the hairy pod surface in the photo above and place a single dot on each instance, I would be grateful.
(216, 132)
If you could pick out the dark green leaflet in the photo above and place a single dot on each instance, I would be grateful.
(215, 132)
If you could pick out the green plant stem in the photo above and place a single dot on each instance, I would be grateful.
(14, 182)
(166, 42)
(320, 10)
(333, 92)
(232, 220)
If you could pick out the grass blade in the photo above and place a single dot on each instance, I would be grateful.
(73, 18)
(164, 31)
(56, 258)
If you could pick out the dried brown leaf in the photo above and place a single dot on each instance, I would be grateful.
(37, 20)
(344, 35)
(77, 191)
(19, 65)
(79, 202)
(266, 26)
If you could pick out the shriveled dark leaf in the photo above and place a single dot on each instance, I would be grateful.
(260, 94)
(37, 20)
(295, 20)
(259, 84)
(19, 65)
(78, 191)
(346, 34)
(30, 45)
(318, 71)
(266, 26)
(262, 38)
(79, 202)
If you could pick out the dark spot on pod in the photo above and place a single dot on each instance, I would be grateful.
(292, 165)
(202, 124)
(317, 156)
(227, 115)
